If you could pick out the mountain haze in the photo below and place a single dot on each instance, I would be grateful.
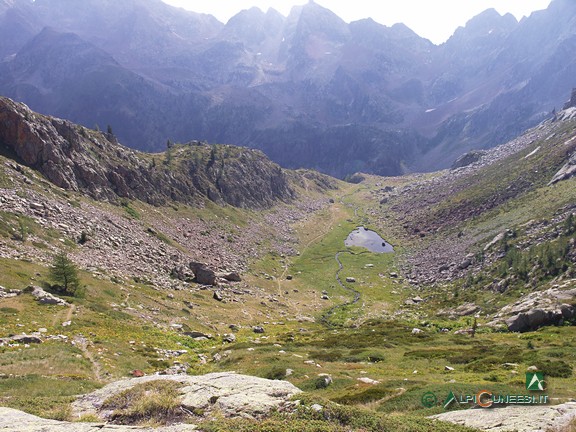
(309, 89)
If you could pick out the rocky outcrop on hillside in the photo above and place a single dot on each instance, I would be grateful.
(231, 394)
(567, 171)
(80, 159)
(538, 309)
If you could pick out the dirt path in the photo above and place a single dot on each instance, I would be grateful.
(63, 315)
(82, 343)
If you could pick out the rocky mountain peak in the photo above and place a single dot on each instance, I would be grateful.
(487, 24)
(252, 26)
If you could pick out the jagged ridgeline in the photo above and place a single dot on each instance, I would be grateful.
(80, 159)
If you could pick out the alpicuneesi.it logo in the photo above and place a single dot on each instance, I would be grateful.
(487, 399)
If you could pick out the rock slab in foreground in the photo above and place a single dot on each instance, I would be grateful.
(514, 418)
(17, 421)
(231, 394)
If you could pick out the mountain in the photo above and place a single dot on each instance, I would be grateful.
(88, 161)
(301, 88)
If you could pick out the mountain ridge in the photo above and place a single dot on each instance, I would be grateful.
(263, 75)
(79, 159)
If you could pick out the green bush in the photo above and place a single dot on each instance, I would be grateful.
(276, 373)
(555, 368)
(359, 356)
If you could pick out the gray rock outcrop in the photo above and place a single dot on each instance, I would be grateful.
(7, 293)
(538, 309)
(516, 418)
(566, 172)
(12, 420)
(231, 394)
(44, 297)
(468, 159)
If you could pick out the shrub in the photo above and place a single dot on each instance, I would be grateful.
(555, 368)
(276, 373)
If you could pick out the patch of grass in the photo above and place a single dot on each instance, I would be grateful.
(369, 395)
(369, 356)
(47, 397)
(411, 400)
(153, 402)
(131, 211)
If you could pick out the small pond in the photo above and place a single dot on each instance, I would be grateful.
(363, 237)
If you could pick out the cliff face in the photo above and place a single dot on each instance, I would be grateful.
(81, 159)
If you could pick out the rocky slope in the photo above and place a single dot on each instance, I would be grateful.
(79, 159)
(282, 83)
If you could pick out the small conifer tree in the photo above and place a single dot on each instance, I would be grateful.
(64, 274)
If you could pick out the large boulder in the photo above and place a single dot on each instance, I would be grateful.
(538, 309)
(468, 159)
(203, 274)
(228, 393)
(517, 418)
(44, 297)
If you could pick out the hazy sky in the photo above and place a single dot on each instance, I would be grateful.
(432, 19)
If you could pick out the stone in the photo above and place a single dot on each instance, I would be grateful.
(229, 338)
(350, 279)
(6, 293)
(232, 277)
(518, 418)
(203, 274)
(182, 273)
(468, 159)
(25, 339)
(417, 331)
(366, 380)
(566, 172)
(44, 297)
(448, 368)
(217, 296)
(228, 393)
(197, 334)
(258, 329)
(324, 381)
